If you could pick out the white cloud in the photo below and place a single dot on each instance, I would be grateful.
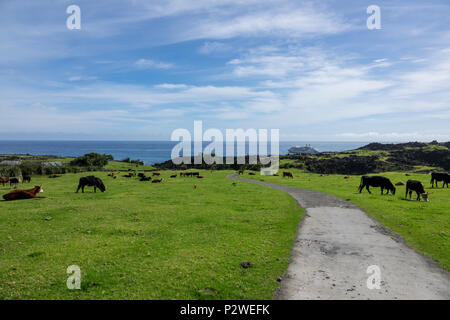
(150, 64)
(213, 47)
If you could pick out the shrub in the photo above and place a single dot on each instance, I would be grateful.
(91, 160)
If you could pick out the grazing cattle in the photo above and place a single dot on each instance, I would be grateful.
(288, 174)
(145, 179)
(251, 173)
(376, 181)
(23, 194)
(157, 180)
(200, 177)
(346, 177)
(173, 176)
(91, 181)
(141, 175)
(4, 180)
(276, 175)
(418, 187)
(241, 172)
(195, 174)
(188, 174)
(156, 174)
(26, 178)
(439, 176)
(13, 181)
(182, 174)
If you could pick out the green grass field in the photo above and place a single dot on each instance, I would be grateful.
(141, 240)
(424, 226)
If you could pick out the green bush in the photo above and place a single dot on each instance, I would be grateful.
(91, 160)
(10, 171)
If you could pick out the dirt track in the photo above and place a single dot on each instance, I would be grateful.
(335, 245)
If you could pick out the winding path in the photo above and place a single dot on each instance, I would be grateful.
(335, 245)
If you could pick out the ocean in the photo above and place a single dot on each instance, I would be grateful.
(148, 151)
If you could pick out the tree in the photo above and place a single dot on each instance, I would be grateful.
(91, 160)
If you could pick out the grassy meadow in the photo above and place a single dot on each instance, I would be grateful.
(424, 225)
(140, 240)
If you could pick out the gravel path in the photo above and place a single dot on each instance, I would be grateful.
(335, 245)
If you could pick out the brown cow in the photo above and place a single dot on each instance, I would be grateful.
(241, 172)
(200, 177)
(4, 180)
(157, 180)
(288, 174)
(23, 194)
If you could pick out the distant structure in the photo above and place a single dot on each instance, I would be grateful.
(10, 163)
(52, 164)
(307, 149)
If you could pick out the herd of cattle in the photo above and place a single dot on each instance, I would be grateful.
(411, 185)
(366, 182)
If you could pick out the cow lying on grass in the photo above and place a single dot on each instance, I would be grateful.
(23, 194)
(418, 187)
(439, 176)
(157, 180)
(376, 181)
(91, 181)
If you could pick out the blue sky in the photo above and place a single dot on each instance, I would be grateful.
(139, 69)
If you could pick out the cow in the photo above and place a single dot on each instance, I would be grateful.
(14, 181)
(156, 174)
(347, 177)
(91, 181)
(157, 180)
(288, 174)
(195, 174)
(141, 175)
(200, 177)
(251, 174)
(439, 176)
(26, 178)
(23, 194)
(173, 176)
(111, 175)
(4, 180)
(241, 172)
(418, 187)
(376, 181)
(144, 178)
(188, 174)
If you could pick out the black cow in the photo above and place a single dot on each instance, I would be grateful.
(376, 181)
(13, 181)
(439, 176)
(418, 187)
(26, 179)
(144, 178)
(91, 181)
(141, 175)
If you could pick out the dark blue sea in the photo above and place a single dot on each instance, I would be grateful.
(148, 151)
